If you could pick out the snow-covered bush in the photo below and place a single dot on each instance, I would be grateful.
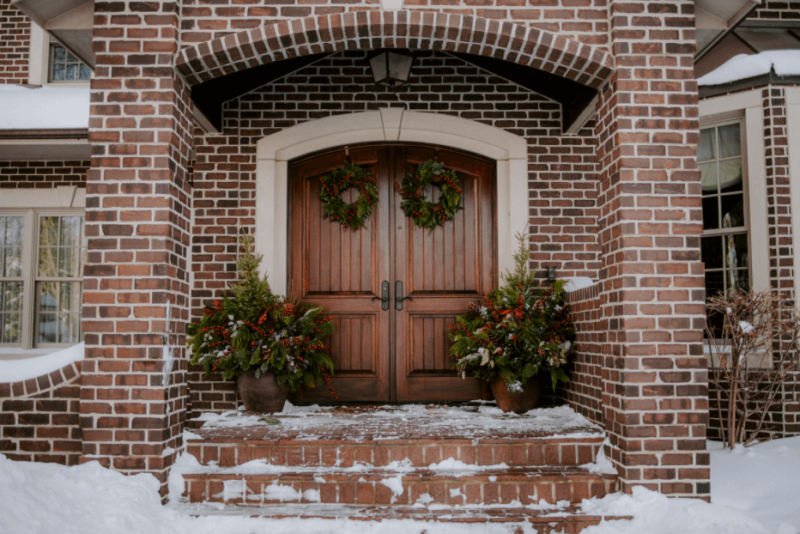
(254, 330)
(518, 331)
(752, 341)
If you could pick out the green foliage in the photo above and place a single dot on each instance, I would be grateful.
(427, 214)
(519, 330)
(257, 331)
(352, 215)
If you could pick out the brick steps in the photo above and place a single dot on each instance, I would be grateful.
(421, 452)
(566, 520)
(378, 487)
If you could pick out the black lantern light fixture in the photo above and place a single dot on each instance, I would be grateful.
(390, 67)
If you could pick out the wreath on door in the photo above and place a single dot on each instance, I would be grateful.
(354, 215)
(426, 214)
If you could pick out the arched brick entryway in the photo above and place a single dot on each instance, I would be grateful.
(531, 47)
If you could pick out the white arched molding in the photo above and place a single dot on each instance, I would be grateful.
(390, 124)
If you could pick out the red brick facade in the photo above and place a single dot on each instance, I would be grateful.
(39, 417)
(619, 202)
(42, 174)
(15, 35)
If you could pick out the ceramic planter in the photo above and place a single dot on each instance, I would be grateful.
(262, 394)
(519, 402)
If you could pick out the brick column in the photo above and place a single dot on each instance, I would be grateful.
(655, 381)
(135, 302)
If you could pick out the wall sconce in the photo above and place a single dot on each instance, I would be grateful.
(551, 273)
(391, 68)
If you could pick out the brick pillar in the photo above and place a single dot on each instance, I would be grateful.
(135, 301)
(655, 382)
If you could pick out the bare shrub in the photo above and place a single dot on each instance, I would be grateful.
(753, 340)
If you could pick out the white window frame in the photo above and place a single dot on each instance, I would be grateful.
(32, 204)
(39, 66)
(717, 122)
(748, 104)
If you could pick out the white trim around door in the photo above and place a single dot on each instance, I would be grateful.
(389, 124)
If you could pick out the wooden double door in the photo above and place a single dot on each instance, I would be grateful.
(387, 349)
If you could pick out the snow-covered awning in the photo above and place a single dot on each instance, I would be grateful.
(743, 67)
(48, 123)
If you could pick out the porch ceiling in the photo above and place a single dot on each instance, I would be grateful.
(574, 97)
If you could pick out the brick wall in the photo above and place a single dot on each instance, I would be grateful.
(584, 20)
(772, 10)
(584, 390)
(15, 35)
(39, 417)
(135, 300)
(42, 174)
(655, 384)
(562, 181)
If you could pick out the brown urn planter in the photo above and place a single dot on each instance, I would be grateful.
(519, 402)
(262, 394)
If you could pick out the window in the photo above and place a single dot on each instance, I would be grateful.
(11, 281)
(41, 259)
(65, 66)
(59, 274)
(725, 241)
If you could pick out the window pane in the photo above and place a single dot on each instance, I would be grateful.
(712, 251)
(706, 150)
(730, 175)
(10, 307)
(732, 211)
(60, 53)
(736, 251)
(708, 172)
(59, 72)
(730, 141)
(48, 231)
(12, 261)
(72, 71)
(14, 231)
(47, 327)
(710, 213)
(48, 262)
(86, 73)
(714, 284)
(59, 312)
(70, 232)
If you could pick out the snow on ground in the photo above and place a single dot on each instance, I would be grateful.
(48, 107)
(743, 66)
(27, 368)
(754, 492)
(762, 480)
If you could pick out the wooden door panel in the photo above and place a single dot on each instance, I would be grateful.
(355, 344)
(429, 344)
(443, 271)
(342, 269)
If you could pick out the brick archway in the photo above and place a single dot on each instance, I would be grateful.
(286, 39)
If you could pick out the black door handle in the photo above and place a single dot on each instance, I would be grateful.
(384, 298)
(398, 296)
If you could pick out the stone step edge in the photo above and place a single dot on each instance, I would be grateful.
(460, 514)
(380, 489)
(199, 439)
(540, 453)
(376, 474)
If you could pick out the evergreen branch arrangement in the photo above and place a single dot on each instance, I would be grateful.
(519, 331)
(254, 330)
(352, 215)
(426, 214)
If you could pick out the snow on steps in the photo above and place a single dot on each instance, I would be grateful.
(376, 487)
(542, 519)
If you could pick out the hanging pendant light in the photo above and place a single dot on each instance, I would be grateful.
(390, 67)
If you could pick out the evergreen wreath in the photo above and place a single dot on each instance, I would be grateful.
(349, 215)
(426, 214)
